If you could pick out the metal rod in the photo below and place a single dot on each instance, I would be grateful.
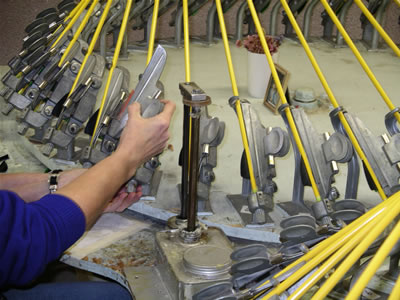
(211, 23)
(274, 16)
(185, 162)
(239, 20)
(193, 170)
(342, 19)
(307, 18)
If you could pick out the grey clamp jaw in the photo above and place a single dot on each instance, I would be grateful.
(146, 93)
(323, 152)
(386, 167)
(265, 144)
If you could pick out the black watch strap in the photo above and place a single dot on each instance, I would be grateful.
(53, 180)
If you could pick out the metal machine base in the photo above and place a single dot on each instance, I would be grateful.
(188, 268)
(240, 203)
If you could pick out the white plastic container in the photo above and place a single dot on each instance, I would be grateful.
(258, 73)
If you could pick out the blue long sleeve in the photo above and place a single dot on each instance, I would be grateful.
(34, 234)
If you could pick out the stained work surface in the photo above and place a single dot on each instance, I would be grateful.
(134, 251)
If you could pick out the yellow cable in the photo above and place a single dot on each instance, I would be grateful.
(359, 58)
(335, 258)
(226, 46)
(71, 23)
(114, 62)
(278, 84)
(70, 15)
(92, 44)
(329, 92)
(332, 98)
(398, 4)
(239, 112)
(74, 11)
(375, 263)
(378, 27)
(339, 238)
(322, 254)
(78, 31)
(153, 30)
(359, 250)
(395, 294)
(235, 91)
(186, 38)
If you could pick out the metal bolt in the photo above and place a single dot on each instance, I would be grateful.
(110, 146)
(154, 163)
(73, 128)
(87, 165)
(96, 83)
(333, 195)
(27, 69)
(31, 95)
(43, 85)
(48, 110)
(75, 67)
(210, 176)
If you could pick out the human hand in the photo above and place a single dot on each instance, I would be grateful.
(123, 200)
(143, 138)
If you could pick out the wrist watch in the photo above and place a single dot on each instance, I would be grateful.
(53, 180)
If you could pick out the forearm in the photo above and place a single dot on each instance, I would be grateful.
(30, 187)
(98, 185)
(11, 181)
(33, 186)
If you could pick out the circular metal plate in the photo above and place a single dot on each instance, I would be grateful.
(297, 231)
(256, 250)
(347, 215)
(207, 260)
(67, 7)
(250, 265)
(51, 17)
(214, 292)
(35, 23)
(62, 3)
(349, 204)
(298, 220)
(46, 12)
(43, 28)
(32, 38)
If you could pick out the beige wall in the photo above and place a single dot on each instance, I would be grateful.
(15, 15)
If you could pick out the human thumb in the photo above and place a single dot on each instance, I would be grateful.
(134, 110)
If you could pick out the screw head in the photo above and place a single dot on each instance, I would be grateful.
(31, 95)
(73, 128)
(48, 110)
(110, 146)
